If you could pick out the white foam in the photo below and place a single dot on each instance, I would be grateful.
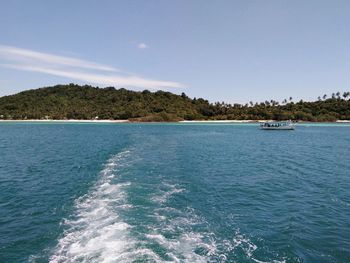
(273, 261)
(97, 233)
(174, 233)
(166, 194)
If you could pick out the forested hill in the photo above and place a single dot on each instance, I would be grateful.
(87, 102)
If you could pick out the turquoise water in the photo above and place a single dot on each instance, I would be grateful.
(174, 193)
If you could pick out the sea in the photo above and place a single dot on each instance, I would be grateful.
(177, 192)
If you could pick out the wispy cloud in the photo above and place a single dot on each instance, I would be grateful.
(142, 46)
(20, 55)
(77, 69)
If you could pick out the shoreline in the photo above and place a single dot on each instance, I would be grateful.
(73, 120)
(184, 121)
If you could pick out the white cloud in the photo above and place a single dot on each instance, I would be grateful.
(77, 69)
(142, 46)
(24, 55)
(106, 80)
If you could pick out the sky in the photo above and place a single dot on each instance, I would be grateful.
(234, 51)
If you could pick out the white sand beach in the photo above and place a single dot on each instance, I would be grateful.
(73, 120)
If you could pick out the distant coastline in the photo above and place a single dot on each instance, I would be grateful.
(92, 104)
(72, 120)
(182, 121)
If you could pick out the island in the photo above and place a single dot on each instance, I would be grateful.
(76, 102)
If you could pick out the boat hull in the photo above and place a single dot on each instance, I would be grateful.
(286, 128)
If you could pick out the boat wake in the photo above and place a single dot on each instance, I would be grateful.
(107, 227)
(185, 236)
(96, 232)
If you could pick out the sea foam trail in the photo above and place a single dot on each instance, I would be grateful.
(97, 233)
(188, 237)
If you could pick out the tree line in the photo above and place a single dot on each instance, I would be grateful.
(86, 102)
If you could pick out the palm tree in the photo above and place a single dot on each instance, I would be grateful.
(284, 101)
(338, 95)
(333, 95)
(346, 94)
(324, 96)
(290, 98)
(319, 98)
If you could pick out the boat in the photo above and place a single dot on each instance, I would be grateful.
(277, 125)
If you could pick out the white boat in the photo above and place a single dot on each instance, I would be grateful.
(277, 125)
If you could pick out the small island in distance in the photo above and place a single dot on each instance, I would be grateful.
(66, 102)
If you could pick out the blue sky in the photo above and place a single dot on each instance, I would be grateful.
(233, 51)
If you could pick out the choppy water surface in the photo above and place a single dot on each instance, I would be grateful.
(174, 193)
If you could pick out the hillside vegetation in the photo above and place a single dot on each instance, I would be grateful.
(87, 102)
